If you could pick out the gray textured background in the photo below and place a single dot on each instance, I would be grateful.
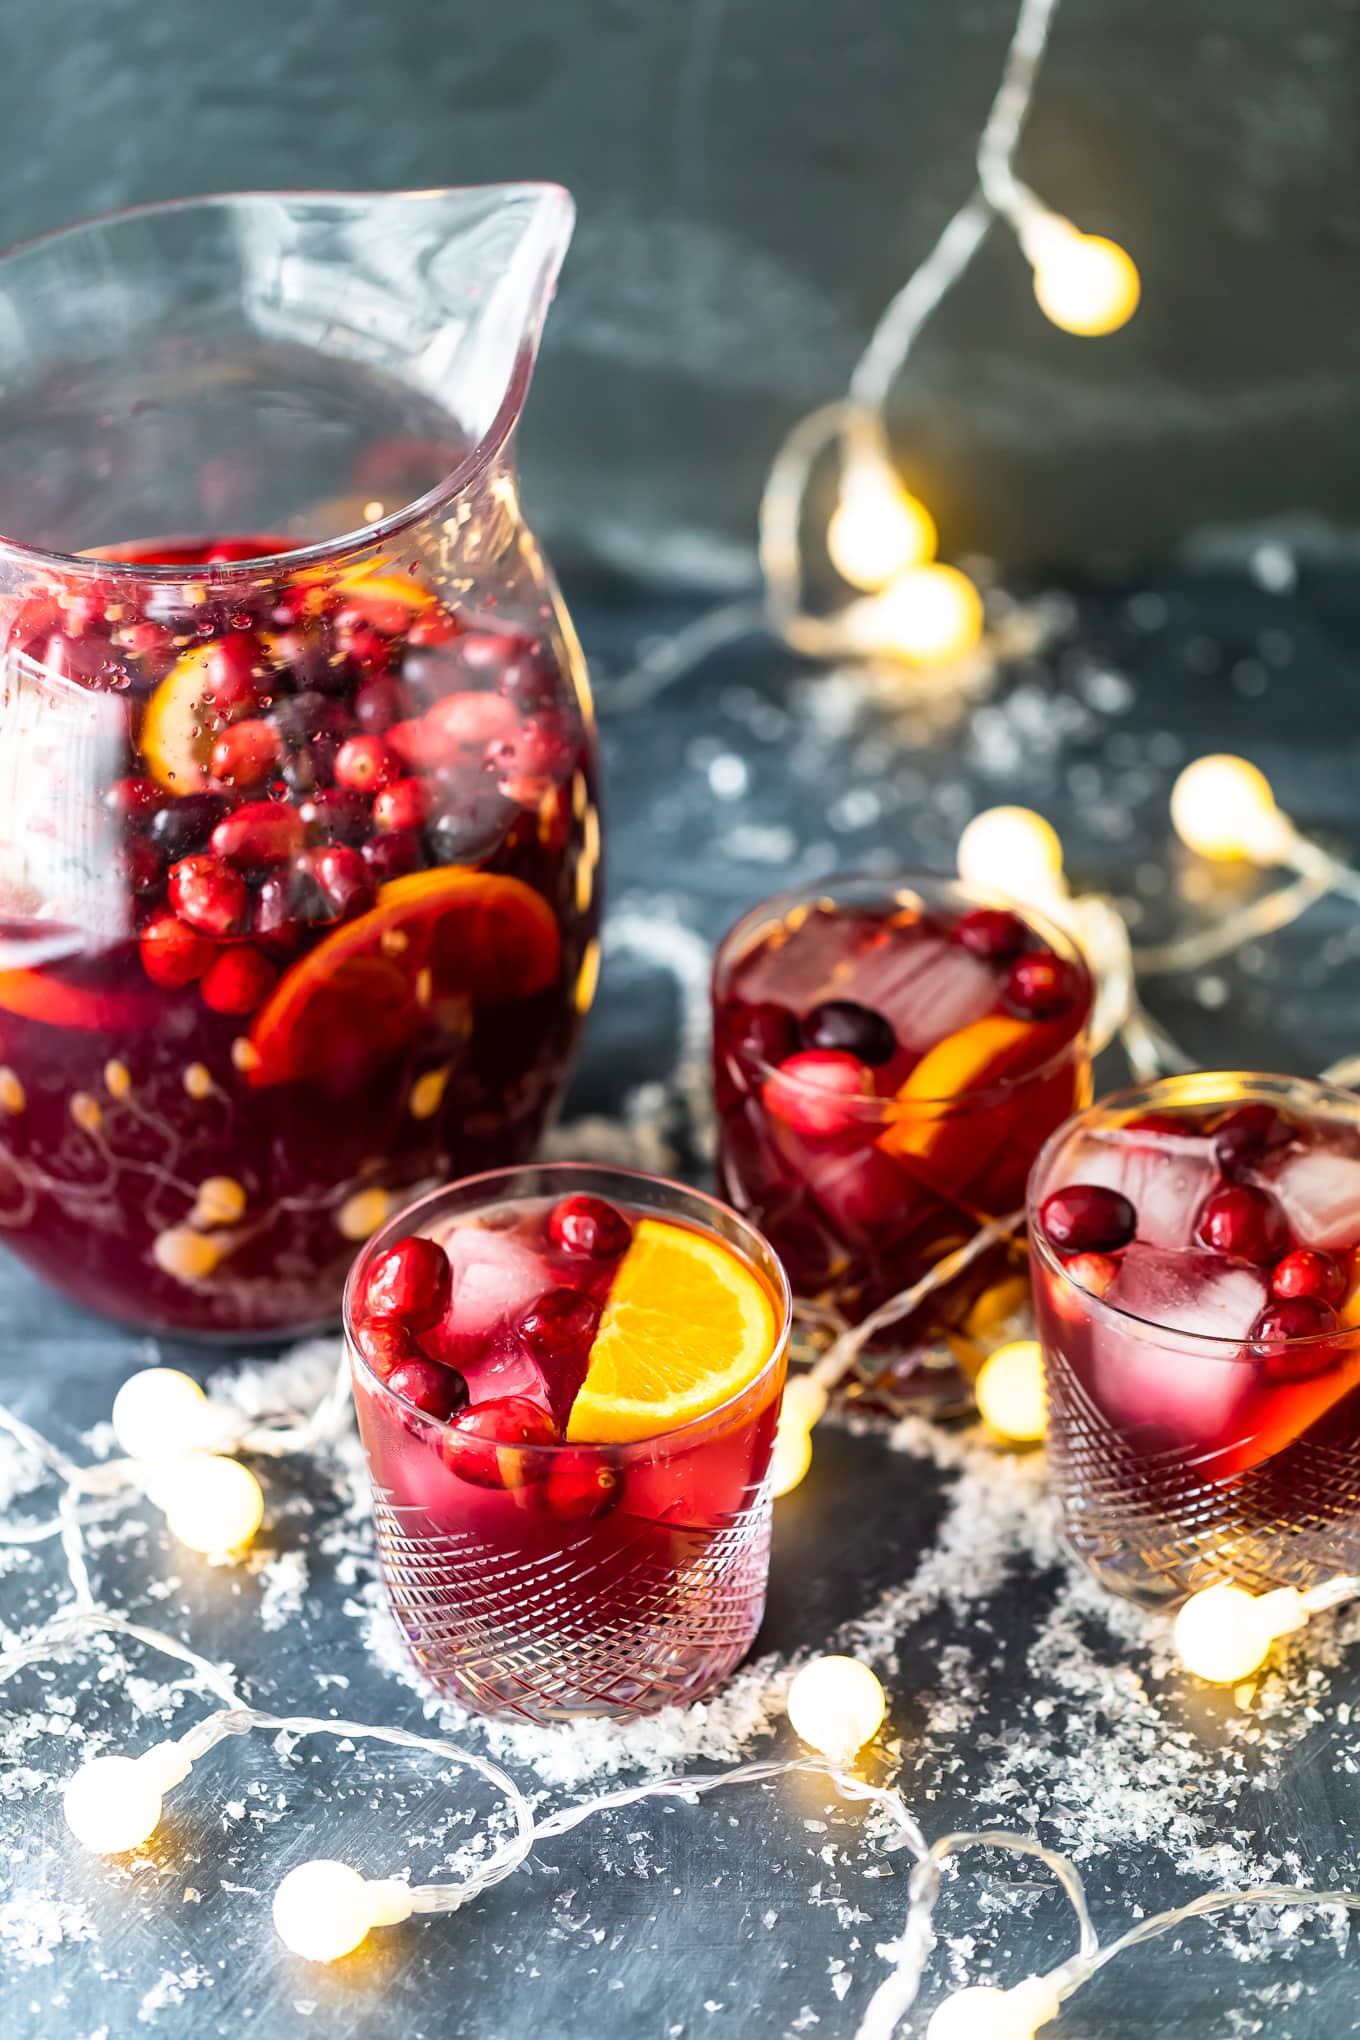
(755, 177)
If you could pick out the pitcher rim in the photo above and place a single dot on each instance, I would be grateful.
(360, 536)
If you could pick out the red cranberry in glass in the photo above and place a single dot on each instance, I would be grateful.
(1247, 1135)
(767, 1032)
(470, 721)
(238, 982)
(142, 865)
(859, 1030)
(133, 801)
(234, 669)
(185, 825)
(386, 1343)
(411, 1281)
(590, 1226)
(434, 628)
(815, 1091)
(172, 954)
(469, 830)
(993, 933)
(1092, 1272)
(261, 833)
(342, 878)
(582, 1487)
(418, 744)
(1243, 1221)
(393, 855)
(1041, 986)
(151, 644)
(337, 815)
(359, 641)
(378, 704)
(562, 1322)
(403, 805)
(487, 1444)
(437, 1390)
(526, 763)
(245, 754)
(278, 917)
(209, 895)
(1087, 1218)
(364, 764)
(1307, 1272)
(1285, 1321)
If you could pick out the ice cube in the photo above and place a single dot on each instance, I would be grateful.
(1319, 1188)
(1166, 1177)
(495, 1279)
(1189, 1292)
(1168, 1383)
(926, 985)
(805, 968)
(506, 1367)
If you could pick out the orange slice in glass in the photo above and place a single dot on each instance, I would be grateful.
(178, 728)
(968, 1060)
(38, 995)
(687, 1326)
(369, 988)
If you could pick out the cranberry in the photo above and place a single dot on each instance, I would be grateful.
(359, 641)
(343, 879)
(234, 668)
(246, 753)
(767, 1031)
(1247, 1135)
(1308, 1272)
(530, 681)
(303, 718)
(338, 815)
(279, 911)
(303, 602)
(582, 1486)
(386, 1343)
(411, 1281)
(1041, 986)
(142, 865)
(1086, 1218)
(184, 825)
(1280, 1324)
(418, 744)
(993, 933)
(528, 762)
(437, 1390)
(815, 1091)
(589, 1225)
(404, 804)
(172, 954)
(133, 801)
(378, 704)
(435, 627)
(261, 833)
(1241, 1220)
(209, 895)
(564, 1321)
(471, 829)
(364, 764)
(471, 721)
(487, 1444)
(151, 643)
(239, 982)
(393, 855)
(859, 1030)
(1092, 1272)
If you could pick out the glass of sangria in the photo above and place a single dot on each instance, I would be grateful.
(1195, 1246)
(890, 1055)
(567, 1381)
(299, 842)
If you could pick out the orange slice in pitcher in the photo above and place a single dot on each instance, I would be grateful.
(178, 728)
(370, 987)
(687, 1326)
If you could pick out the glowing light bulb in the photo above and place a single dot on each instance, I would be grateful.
(982, 2012)
(1012, 850)
(836, 1705)
(804, 1402)
(324, 1909)
(112, 1804)
(159, 1413)
(1010, 1391)
(926, 616)
(1224, 1634)
(791, 1457)
(877, 529)
(1222, 807)
(1084, 283)
(211, 1503)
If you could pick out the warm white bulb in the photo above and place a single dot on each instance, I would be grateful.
(926, 616)
(983, 2012)
(877, 529)
(159, 1413)
(324, 1909)
(836, 1704)
(211, 1503)
(1223, 1633)
(1010, 1391)
(1012, 850)
(791, 1457)
(804, 1402)
(1084, 283)
(112, 1804)
(1222, 807)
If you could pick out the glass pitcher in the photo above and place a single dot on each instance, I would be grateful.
(299, 842)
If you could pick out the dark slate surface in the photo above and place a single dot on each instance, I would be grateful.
(727, 1920)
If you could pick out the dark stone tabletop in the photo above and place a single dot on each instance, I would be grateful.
(1019, 1694)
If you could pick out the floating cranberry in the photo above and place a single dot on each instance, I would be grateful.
(342, 878)
(561, 1324)
(1041, 986)
(1092, 1272)
(279, 912)
(492, 1444)
(359, 641)
(172, 954)
(386, 1343)
(435, 627)
(393, 855)
(1281, 1324)
(403, 805)
(1248, 1135)
(419, 744)
(235, 667)
(816, 1091)
(582, 1486)
(209, 895)
(589, 1225)
(142, 865)
(364, 764)
(337, 815)
(238, 982)
(1087, 1218)
(1241, 1220)
(859, 1030)
(133, 802)
(378, 704)
(1308, 1272)
(303, 718)
(470, 721)
(529, 761)
(261, 833)
(766, 1031)
(993, 933)
(184, 825)
(411, 1281)
(437, 1390)
(471, 828)
(151, 643)
(246, 753)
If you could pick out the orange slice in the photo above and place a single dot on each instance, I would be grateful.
(435, 938)
(967, 1060)
(687, 1326)
(38, 995)
(178, 731)
(388, 601)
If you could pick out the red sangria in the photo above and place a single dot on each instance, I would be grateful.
(299, 844)
(890, 1056)
(1196, 1251)
(567, 1382)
